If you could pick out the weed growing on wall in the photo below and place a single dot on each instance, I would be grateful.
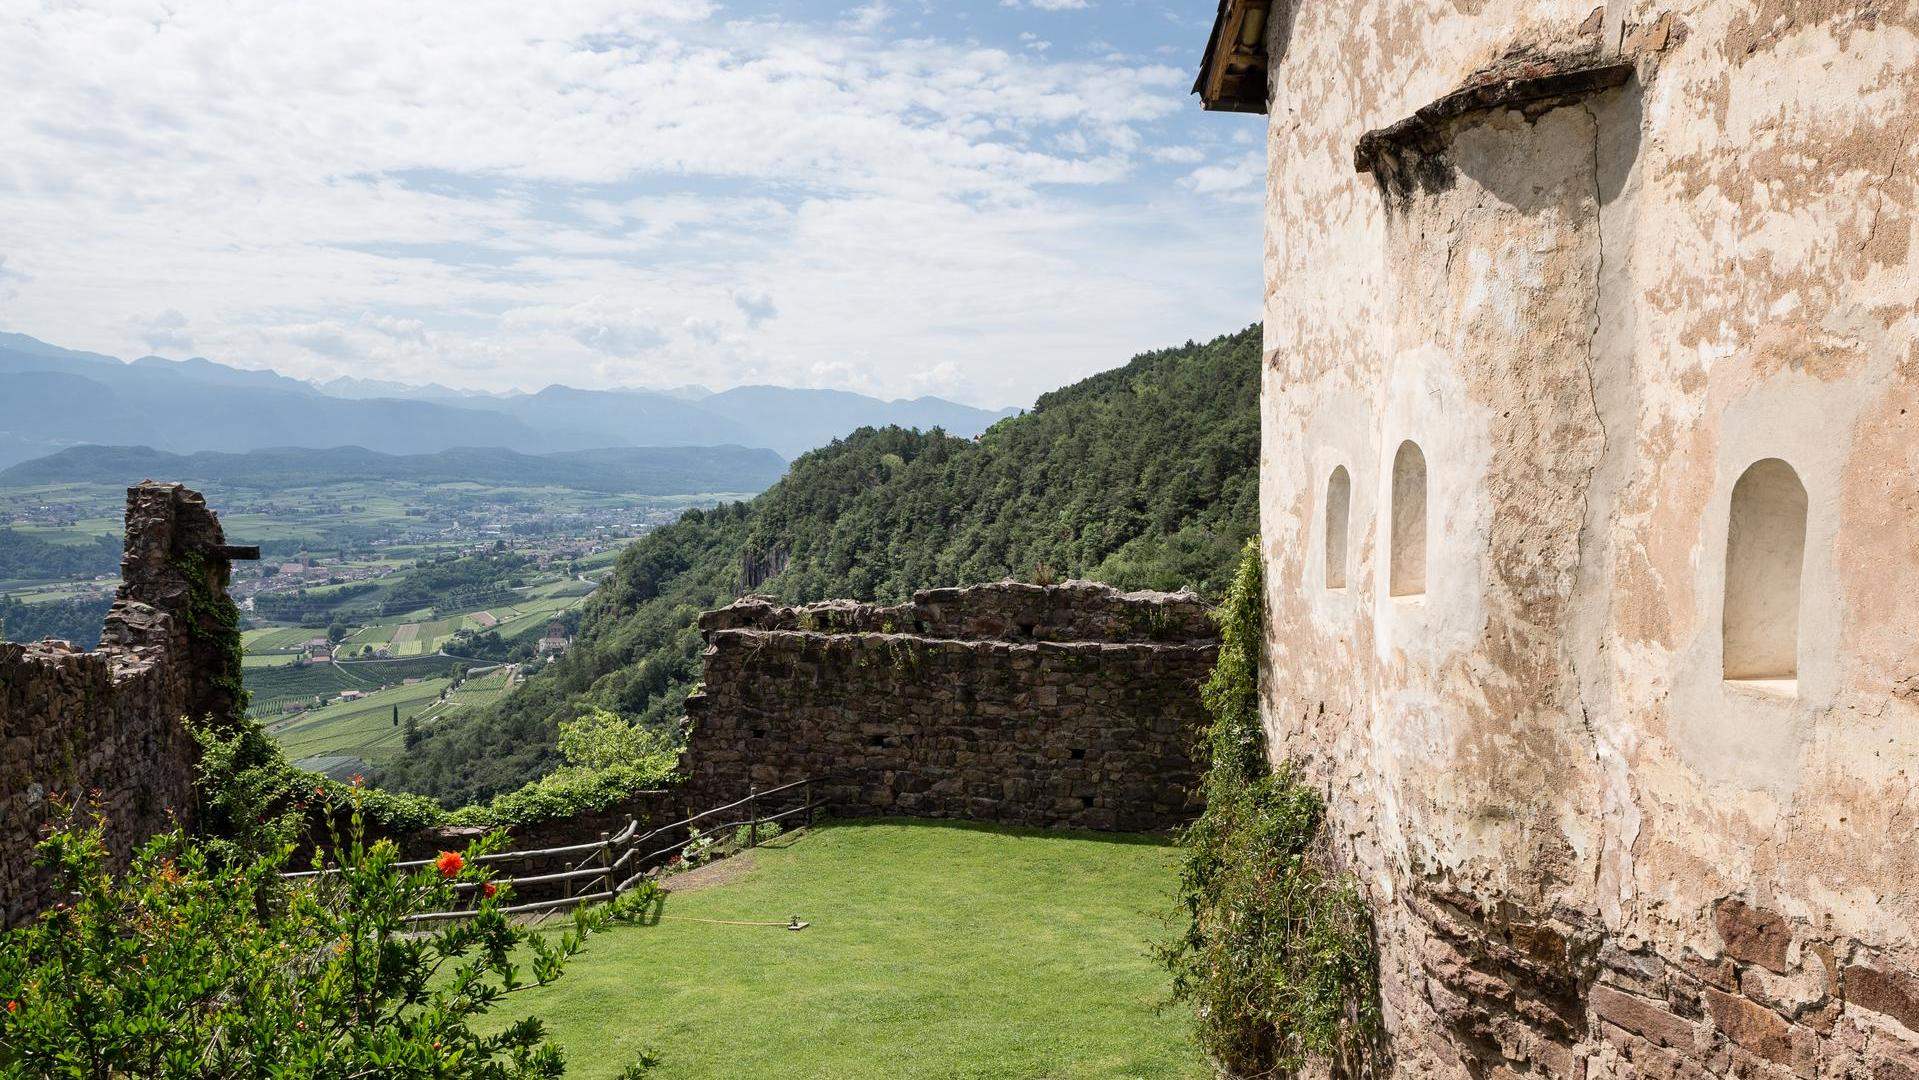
(1277, 955)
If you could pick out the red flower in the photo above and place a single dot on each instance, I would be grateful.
(357, 780)
(13, 1006)
(450, 863)
(487, 890)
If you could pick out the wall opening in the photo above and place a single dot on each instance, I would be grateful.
(1408, 566)
(1765, 560)
(1339, 512)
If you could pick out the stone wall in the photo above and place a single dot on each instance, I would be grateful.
(1070, 705)
(105, 728)
(1598, 263)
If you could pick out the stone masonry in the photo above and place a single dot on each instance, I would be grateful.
(1070, 705)
(106, 728)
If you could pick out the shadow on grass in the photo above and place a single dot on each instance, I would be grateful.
(1028, 831)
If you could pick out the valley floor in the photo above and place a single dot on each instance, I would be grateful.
(934, 950)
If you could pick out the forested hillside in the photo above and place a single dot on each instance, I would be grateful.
(1143, 477)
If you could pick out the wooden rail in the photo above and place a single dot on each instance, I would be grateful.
(631, 852)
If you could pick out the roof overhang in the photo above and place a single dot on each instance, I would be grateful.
(1530, 83)
(1232, 75)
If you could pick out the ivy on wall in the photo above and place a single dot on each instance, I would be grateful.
(1277, 955)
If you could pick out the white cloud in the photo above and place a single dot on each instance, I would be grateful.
(868, 18)
(494, 193)
(756, 305)
(166, 330)
(1243, 177)
(1048, 5)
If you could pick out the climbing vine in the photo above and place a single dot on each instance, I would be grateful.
(213, 622)
(1276, 955)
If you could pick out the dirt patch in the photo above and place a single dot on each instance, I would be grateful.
(722, 872)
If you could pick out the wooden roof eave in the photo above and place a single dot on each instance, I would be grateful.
(1232, 74)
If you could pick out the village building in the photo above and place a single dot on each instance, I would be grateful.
(555, 641)
(1590, 516)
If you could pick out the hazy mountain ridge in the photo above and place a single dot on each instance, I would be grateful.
(52, 398)
(640, 470)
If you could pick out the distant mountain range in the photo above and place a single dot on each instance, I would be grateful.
(639, 470)
(52, 398)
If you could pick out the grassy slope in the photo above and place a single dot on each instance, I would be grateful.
(1144, 476)
(934, 951)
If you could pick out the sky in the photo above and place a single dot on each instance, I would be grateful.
(979, 200)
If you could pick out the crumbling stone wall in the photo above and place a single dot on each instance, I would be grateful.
(1596, 261)
(105, 728)
(1071, 705)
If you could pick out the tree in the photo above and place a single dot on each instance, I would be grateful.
(336, 632)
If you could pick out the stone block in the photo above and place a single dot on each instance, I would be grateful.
(1752, 935)
(1894, 994)
(1750, 1025)
(1647, 1019)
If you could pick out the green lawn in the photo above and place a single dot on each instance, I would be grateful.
(935, 950)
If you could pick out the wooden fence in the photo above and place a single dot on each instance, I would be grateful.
(603, 869)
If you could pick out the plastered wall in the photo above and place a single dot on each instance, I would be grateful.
(1590, 854)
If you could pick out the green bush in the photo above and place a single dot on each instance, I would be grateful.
(191, 965)
(1276, 955)
(608, 758)
(565, 792)
(255, 799)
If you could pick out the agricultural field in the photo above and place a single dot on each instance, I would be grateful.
(370, 729)
(476, 691)
(268, 639)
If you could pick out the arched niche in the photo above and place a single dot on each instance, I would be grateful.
(1407, 569)
(1339, 516)
(1765, 563)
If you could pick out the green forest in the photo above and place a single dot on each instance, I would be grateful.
(25, 556)
(1144, 476)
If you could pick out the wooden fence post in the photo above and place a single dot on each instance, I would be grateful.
(606, 863)
(753, 829)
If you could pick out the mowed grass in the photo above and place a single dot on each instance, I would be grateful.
(935, 950)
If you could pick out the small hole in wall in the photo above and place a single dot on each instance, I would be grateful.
(1086, 802)
(1026, 629)
(876, 740)
(1408, 567)
(1339, 504)
(1079, 755)
(759, 733)
(1765, 560)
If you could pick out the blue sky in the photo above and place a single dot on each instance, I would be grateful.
(981, 200)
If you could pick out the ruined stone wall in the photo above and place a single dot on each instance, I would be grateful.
(105, 728)
(1593, 299)
(1073, 705)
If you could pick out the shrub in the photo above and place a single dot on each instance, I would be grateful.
(565, 792)
(609, 758)
(190, 966)
(254, 798)
(600, 739)
(1276, 956)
